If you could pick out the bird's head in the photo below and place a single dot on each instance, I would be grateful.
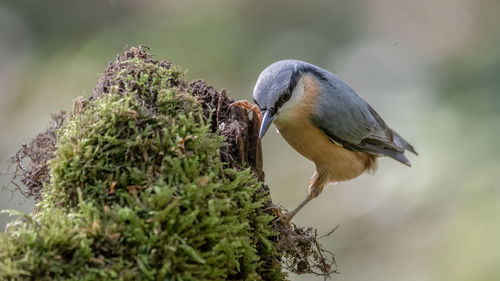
(279, 89)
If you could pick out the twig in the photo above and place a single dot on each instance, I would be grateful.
(330, 233)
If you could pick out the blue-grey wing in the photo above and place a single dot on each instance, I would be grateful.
(351, 122)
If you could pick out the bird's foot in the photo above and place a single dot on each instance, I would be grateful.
(281, 214)
(286, 217)
(249, 107)
(275, 209)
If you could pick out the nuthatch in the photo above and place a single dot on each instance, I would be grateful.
(323, 119)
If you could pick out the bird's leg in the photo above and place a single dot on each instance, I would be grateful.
(314, 189)
(288, 216)
(249, 107)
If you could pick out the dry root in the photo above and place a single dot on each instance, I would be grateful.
(301, 250)
(30, 161)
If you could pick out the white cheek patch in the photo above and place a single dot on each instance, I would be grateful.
(295, 99)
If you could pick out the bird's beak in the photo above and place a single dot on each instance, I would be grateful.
(267, 120)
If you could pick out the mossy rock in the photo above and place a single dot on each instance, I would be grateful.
(139, 190)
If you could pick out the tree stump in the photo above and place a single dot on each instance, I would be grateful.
(151, 178)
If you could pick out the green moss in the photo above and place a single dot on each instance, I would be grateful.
(138, 192)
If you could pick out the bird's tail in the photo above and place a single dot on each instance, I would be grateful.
(402, 143)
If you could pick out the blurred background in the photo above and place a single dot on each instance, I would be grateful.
(430, 68)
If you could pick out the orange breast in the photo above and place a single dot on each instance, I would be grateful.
(339, 164)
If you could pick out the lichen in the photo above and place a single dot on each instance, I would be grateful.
(137, 190)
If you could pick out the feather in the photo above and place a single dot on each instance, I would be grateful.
(350, 121)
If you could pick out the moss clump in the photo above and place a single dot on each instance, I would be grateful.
(138, 191)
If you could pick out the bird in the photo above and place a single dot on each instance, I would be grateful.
(324, 120)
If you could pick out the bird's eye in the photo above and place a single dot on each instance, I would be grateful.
(282, 99)
(287, 95)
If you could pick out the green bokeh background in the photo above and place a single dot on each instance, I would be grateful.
(430, 68)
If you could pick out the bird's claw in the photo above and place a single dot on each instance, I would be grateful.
(278, 212)
(249, 107)
(286, 217)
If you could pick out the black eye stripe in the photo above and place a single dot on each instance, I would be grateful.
(294, 80)
(282, 99)
(287, 94)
